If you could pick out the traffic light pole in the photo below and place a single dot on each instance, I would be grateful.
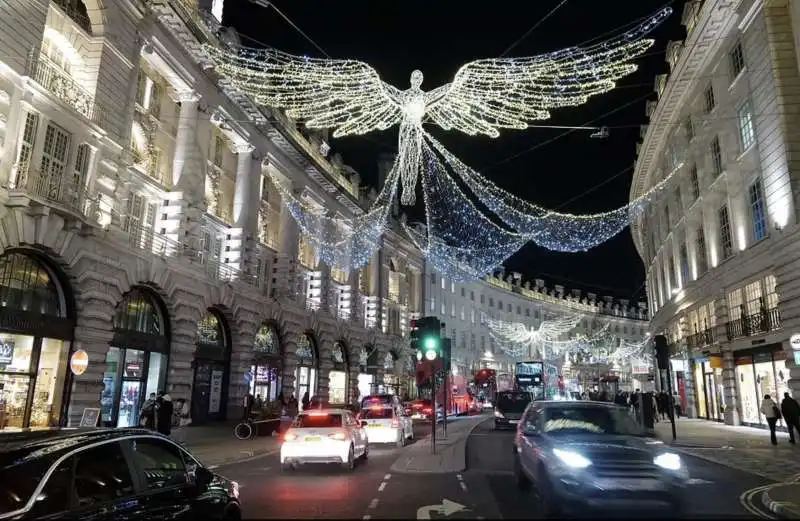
(446, 390)
(435, 412)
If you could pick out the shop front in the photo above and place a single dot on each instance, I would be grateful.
(367, 371)
(305, 376)
(760, 371)
(211, 369)
(137, 359)
(338, 378)
(679, 372)
(410, 369)
(36, 327)
(264, 378)
(391, 382)
(709, 389)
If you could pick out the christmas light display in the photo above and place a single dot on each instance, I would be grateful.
(516, 338)
(484, 96)
(346, 244)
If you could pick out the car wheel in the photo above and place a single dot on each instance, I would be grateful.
(288, 467)
(547, 499)
(523, 483)
(366, 452)
(350, 464)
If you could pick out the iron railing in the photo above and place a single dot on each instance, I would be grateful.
(71, 10)
(700, 339)
(755, 324)
(57, 190)
(64, 87)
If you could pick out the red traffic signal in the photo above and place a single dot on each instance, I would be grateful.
(413, 323)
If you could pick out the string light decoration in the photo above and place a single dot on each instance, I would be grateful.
(484, 96)
(516, 338)
(346, 244)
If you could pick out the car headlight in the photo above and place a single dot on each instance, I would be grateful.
(498, 414)
(572, 459)
(669, 461)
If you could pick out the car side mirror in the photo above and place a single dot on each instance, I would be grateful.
(530, 430)
(363, 423)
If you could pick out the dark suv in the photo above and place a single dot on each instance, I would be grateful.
(108, 474)
(509, 407)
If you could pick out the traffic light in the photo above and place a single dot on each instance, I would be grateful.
(426, 338)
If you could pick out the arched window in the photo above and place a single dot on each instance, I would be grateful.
(306, 372)
(211, 369)
(266, 342)
(339, 376)
(264, 379)
(139, 312)
(27, 285)
(210, 332)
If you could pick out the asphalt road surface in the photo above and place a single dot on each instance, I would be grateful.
(715, 491)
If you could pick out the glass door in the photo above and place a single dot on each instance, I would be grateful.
(129, 400)
(711, 397)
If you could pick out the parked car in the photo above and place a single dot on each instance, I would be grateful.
(588, 457)
(108, 474)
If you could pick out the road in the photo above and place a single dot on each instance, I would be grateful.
(485, 490)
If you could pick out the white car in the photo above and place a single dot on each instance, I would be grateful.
(324, 436)
(387, 425)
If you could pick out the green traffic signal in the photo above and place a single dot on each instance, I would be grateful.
(430, 343)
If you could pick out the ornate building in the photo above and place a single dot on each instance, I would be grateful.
(720, 243)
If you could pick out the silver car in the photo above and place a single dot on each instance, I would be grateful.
(584, 457)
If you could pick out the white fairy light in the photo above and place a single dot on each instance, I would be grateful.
(484, 96)
(517, 338)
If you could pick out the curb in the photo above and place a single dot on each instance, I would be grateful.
(396, 468)
(786, 510)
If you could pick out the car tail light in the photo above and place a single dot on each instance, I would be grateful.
(337, 436)
(316, 413)
(289, 436)
(395, 423)
(427, 410)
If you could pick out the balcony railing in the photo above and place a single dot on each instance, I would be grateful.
(755, 324)
(71, 10)
(64, 87)
(701, 339)
(144, 238)
(55, 190)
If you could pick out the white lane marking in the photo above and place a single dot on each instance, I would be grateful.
(698, 481)
(382, 486)
(746, 500)
(463, 486)
(460, 477)
(365, 518)
(212, 467)
(373, 504)
(387, 477)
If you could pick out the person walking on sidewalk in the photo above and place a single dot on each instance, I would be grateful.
(181, 419)
(770, 410)
(791, 415)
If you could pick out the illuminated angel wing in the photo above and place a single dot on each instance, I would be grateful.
(554, 328)
(345, 95)
(487, 95)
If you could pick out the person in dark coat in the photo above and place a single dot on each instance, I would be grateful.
(790, 410)
(164, 411)
(305, 401)
(248, 404)
(147, 416)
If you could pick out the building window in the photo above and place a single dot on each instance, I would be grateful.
(746, 129)
(482, 299)
(673, 283)
(678, 198)
(708, 99)
(716, 156)
(684, 265)
(472, 296)
(695, 180)
(443, 283)
(726, 240)
(757, 210)
(736, 57)
(433, 279)
(700, 251)
(463, 292)
(500, 305)
(667, 216)
(688, 127)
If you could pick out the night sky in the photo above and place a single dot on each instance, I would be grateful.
(556, 168)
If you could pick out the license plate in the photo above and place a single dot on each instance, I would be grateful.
(373, 425)
(313, 438)
(630, 484)
(513, 422)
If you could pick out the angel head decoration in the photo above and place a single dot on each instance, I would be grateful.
(485, 95)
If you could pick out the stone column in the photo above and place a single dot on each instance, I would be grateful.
(286, 261)
(185, 136)
(325, 365)
(356, 304)
(247, 179)
(289, 336)
(352, 373)
(187, 309)
(14, 127)
(327, 302)
(243, 332)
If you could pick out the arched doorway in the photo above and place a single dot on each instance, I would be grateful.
(211, 364)
(367, 371)
(391, 382)
(37, 321)
(137, 359)
(338, 378)
(305, 376)
(264, 378)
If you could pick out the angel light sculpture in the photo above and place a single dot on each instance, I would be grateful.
(485, 95)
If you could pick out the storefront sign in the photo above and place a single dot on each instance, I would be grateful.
(215, 396)
(794, 341)
(6, 353)
(640, 368)
(79, 362)
(90, 417)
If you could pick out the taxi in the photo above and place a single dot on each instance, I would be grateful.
(324, 436)
(387, 425)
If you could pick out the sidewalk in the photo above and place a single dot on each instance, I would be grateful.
(714, 435)
(451, 452)
(216, 445)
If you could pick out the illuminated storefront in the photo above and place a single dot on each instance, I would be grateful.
(760, 371)
(36, 326)
(305, 376)
(391, 382)
(709, 389)
(367, 369)
(264, 378)
(338, 379)
(211, 369)
(137, 359)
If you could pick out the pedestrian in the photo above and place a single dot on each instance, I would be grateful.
(164, 411)
(259, 403)
(147, 415)
(791, 415)
(654, 412)
(181, 420)
(770, 410)
(305, 401)
(247, 404)
(676, 402)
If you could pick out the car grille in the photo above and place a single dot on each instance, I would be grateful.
(617, 468)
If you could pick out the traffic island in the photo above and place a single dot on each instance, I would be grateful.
(450, 455)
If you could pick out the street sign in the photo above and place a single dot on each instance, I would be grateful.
(446, 509)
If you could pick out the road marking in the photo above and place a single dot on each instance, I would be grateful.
(365, 518)
(698, 481)
(463, 486)
(387, 477)
(746, 500)
(212, 467)
(382, 486)
(373, 504)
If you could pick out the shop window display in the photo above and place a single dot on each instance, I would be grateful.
(750, 402)
(699, 379)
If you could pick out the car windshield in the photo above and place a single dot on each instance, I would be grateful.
(565, 420)
(384, 413)
(319, 421)
(379, 399)
(513, 402)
